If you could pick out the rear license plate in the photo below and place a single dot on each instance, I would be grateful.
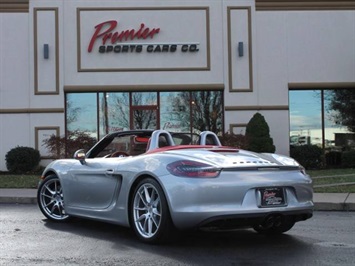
(272, 197)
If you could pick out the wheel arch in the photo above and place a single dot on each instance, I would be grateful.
(48, 173)
(134, 186)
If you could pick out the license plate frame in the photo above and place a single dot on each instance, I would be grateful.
(272, 197)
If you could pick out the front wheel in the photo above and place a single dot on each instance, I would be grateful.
(149, 213)
(50, 199)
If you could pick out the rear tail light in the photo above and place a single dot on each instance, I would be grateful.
(185, 168)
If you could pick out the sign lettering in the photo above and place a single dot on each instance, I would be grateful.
(105, 31)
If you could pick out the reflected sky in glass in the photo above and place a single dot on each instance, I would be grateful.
(305, 110)
(306, 118)
(144, 98)
(84, 106)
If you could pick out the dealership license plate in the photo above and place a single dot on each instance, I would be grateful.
(272, 197)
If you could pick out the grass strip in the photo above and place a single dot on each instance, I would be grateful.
(336, 189)
(19, 181)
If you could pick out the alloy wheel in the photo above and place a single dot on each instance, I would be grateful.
(50, 199)
(147, 211)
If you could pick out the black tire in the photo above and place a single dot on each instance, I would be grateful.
(50, 199)
(149, 213)
(275, 225)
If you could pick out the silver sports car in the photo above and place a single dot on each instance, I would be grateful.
(158, 182)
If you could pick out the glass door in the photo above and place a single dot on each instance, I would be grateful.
(144, 110)
(144, 118)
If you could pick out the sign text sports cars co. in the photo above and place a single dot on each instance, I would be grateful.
(143, 39)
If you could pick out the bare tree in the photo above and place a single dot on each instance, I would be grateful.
(207, 111)
(72, 112)
(144, 118)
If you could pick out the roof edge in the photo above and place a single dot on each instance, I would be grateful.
(295, 5)
(14, 6)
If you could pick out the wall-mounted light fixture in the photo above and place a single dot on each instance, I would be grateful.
(46, 51)
(240, 49)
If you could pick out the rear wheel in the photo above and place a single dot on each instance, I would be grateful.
(50, 199)
(149, 213)
(275, 224)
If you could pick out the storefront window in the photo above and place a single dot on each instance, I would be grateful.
(144, 110)
(339, 119)
(113, 112)
(81, 113)
(175, 111)
(144, 98)
(305, 118)
(181, 111)
(207, 111)
(144, 119)
(324, 118)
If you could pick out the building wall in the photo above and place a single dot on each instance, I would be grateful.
(313, 48)
(14, 82)
(294, 48)
(285, 44)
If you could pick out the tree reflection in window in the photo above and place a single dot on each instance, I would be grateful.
(144, 98)
(175, 111)
(207, 111)
(81, 113)
(144, 108)
(101, 113)
(113, 112)
(341, 107)
(323, 117)
(144, 119)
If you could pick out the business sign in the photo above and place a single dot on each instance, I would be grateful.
(143, 39)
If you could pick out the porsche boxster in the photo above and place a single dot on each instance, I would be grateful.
(158, 182)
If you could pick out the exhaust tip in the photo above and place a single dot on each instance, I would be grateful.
(272, 220)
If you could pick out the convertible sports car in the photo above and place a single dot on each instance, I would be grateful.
(158, 182)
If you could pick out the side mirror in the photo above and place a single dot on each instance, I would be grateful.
(80, 155)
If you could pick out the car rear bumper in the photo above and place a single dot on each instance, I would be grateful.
(186, 220)
(250, 219)
(194, 203)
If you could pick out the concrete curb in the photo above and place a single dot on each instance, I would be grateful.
(20, 196)
(334, 201)
(322, 201)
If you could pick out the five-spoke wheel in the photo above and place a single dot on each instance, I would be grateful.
(50, 199)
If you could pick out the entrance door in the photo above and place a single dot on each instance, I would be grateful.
(144, 113)
(144, 117)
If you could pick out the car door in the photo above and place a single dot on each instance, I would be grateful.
(92, 185)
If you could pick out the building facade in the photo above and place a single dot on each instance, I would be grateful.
(102, 66)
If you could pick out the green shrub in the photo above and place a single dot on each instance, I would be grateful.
(22, 159)
(258, 135)
(309, 156)
(333, 158)
(348, 159)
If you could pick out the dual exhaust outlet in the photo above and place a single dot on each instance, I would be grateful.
(273, 220)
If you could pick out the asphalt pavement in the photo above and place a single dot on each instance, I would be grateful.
(322, 201)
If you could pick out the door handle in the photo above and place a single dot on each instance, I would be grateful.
(109, 172)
